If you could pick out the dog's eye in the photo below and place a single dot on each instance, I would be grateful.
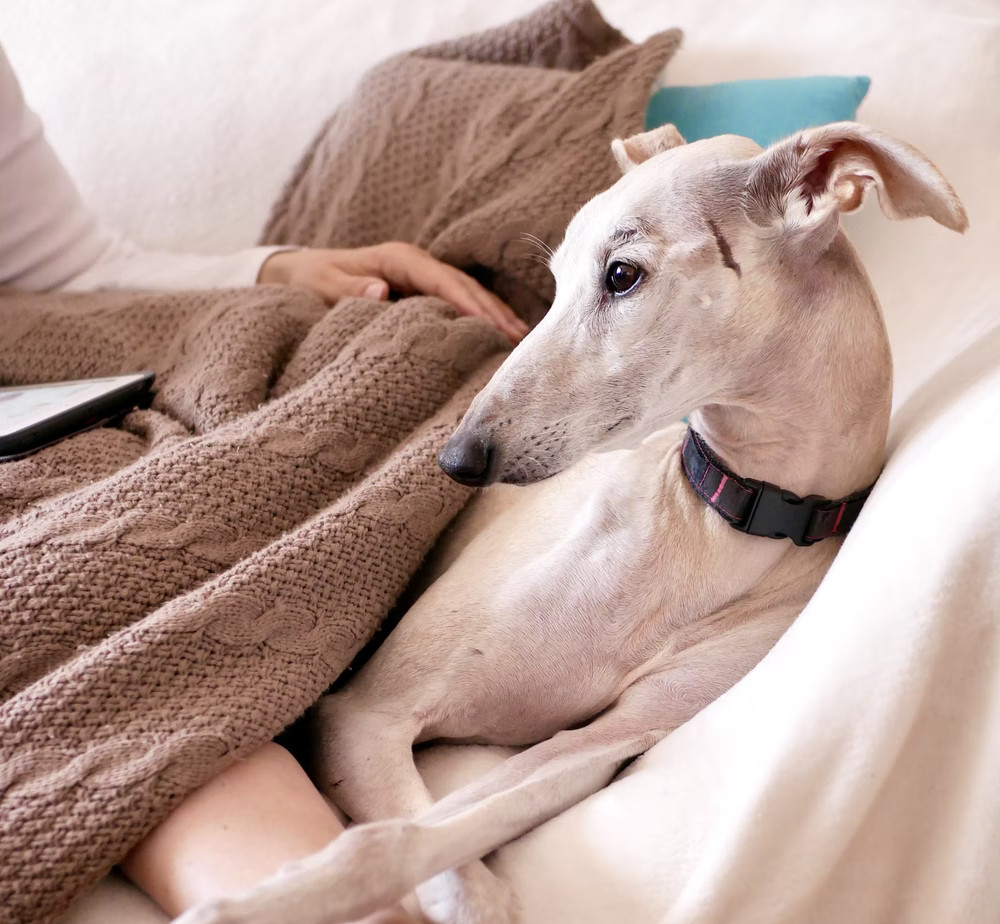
(622, 277)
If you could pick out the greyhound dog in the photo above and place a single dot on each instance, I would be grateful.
(595, 611)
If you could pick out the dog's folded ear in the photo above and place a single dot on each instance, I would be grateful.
(632, 151)
(804, 182)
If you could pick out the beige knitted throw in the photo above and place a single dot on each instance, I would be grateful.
(175, 591)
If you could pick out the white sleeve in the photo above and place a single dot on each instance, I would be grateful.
(123, 265)
(50, 239)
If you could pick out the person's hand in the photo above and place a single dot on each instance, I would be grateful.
(372, 271)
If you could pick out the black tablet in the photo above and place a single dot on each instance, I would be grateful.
(33, 416)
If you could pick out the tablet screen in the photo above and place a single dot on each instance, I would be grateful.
(23, 406)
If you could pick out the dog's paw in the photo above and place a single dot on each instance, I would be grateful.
(219, 911)
(470, 895)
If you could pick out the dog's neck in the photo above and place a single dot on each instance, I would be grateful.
(796, 455)
(818, 424)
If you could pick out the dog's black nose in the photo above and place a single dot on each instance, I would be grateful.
(467, 459)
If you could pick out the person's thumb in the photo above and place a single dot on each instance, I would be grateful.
(335, 284)
(367, 287)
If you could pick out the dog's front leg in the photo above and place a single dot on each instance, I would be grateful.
(371, 866)
(367, 769)
(374, 865)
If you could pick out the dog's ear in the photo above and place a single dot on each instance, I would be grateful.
(632, 151)
(805, 182)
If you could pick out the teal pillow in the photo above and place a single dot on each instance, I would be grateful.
(764, 110)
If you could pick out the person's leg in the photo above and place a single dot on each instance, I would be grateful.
(237, 829)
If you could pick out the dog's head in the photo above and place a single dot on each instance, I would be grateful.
(700, 277)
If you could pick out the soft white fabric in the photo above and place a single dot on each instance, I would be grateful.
(50, 238)
(852, 776)
(122, 264)
(47, 234)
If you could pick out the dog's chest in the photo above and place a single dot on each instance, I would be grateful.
(553, 604)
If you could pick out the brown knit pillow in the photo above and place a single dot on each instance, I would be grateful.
(527, 143)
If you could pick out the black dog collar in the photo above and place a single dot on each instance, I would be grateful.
(763, 509)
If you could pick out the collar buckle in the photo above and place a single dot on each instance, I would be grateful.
(778, 514)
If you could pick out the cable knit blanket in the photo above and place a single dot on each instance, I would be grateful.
(177, 590)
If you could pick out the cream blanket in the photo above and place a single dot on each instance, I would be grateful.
(852, 777)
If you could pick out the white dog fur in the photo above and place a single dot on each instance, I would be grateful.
(594, 612)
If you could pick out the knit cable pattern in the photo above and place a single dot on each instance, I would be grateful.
(176, 590)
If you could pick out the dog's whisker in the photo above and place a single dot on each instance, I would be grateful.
(546, 251)
(534, 239)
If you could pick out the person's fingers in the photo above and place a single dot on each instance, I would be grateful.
(332, 284)
(473, 302)
(409, 269)
(415, 270)
(491, 307)
(377, 289)
(511, 321)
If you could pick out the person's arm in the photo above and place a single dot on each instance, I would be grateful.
(47, 234)
(124, 265)
(50, 240)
